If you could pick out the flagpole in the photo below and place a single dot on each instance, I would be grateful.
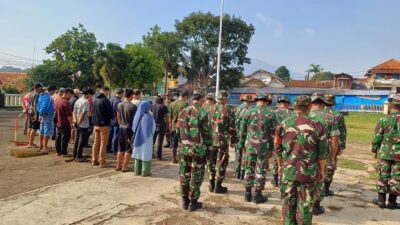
(219, 48)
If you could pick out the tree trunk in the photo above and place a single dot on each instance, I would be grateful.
(165, 81)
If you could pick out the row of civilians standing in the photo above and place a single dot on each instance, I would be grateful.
(304, 144)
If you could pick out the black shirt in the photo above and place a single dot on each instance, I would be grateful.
(159, 112)
(102, 111)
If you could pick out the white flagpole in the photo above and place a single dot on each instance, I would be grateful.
(219, 48)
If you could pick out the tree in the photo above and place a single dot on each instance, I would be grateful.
(49, 73)
(199, 33)
(144, 69)
(167, 47)
(283, 73)
(323, 76)
(74, 53)
(110, 65)
(315, 69)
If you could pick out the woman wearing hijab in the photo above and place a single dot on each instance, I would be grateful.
(143, 127)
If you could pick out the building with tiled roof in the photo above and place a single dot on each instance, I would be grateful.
(312, 84)
(383, 75)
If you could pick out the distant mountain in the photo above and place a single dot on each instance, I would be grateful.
(13, 69)
(257, 64)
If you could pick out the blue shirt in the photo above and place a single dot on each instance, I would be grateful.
(114, 103)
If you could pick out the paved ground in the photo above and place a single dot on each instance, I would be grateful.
(66, 195)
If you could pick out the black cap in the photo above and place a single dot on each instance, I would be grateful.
(38, 85)
(184, 93)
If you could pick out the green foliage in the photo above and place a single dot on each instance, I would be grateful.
(11, 90)
(360, 126)
(144, 69)
(74, 53)
(199, 33)
(49, 73)
(351, 164)
(110, 65)
(323, 76)
(13, 69)
(313, 69)
(283, 73)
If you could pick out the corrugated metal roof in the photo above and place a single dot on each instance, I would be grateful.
(306, 91)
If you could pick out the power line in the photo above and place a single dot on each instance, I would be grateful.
(20, 57)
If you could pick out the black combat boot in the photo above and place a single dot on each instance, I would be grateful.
(185, 203)
(238, 174)
(219, 189)
(317, 209)
(380, 201)
(247, 195)
(259, 198)
(392, 204)
(195, 205)
(211, 187)
(275, 181)
(242, 175)
(327, 191)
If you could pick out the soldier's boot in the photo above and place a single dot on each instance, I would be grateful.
(247, 195)
(327, 191)
(211, 186)
(275, 181)
(317, 208)
(195, 205)
(242, 175)
(259, 198)
(392, 204)
(185, 203)
(219, 189)
(380, 201)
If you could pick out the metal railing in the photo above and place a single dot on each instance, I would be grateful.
(13, 100)
(361, 108)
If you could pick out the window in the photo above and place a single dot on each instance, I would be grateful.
(342, 83)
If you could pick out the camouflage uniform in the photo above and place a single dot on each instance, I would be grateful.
(386, 144)
(223, 128)
(330, 125)
(301, 143)
(240, 114)
(280, 115)
(207, 106)
(196, 140)
(258, 132)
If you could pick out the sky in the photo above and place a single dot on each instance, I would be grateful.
(342, 35)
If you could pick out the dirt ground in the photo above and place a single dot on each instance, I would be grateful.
(46, 190)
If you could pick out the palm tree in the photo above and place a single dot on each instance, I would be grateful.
(314, 69)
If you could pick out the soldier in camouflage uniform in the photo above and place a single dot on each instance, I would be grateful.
(330, 101)
(258, 132)
(210, 101)
(301, 147)
(281, 113)
(223, 129)
(386, 148)
(196, 143)
(240, 113)
(318, 113)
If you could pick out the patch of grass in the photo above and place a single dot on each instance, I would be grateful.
(373, 175)
(360, 126)
(351, 164)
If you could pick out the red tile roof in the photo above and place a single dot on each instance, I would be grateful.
(390, 66)
(310, 84)
(13, 79)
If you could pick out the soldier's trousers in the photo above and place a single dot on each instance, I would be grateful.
(274, 170)
(256, 170)
(240, 159)
(191, 173)
(389, 177)
(330, 171)
(298, 199)
(320, 189)
(217, 161)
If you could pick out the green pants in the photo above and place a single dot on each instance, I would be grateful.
(389, 177)
(191, 173)
(256, 170)
(217, 161)
(298, 200)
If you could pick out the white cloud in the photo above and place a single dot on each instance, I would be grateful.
(309, 31)
(275, 24)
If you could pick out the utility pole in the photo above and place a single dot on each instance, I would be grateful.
(219, 48)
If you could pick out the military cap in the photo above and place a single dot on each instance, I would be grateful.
(302, 100)
(247, 98)
(283, 98)
(316, 96)
(198, 92)
(330, 99)
(262, 96)
(210, 96)
(222, 95)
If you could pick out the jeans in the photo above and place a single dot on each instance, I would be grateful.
(160, 134)
(62, 138)
(99, 145)
(174, 143)
(81, 134)
(112, 145)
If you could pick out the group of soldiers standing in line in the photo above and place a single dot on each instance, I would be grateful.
(304, 144)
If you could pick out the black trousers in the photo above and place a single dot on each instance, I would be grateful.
(174, 143)
(160, 134)
(62, 138)
(81, 136)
